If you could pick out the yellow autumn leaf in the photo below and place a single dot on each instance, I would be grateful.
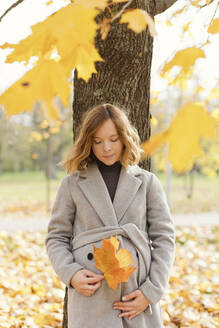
(44, 124)
(186, 26)
(214, 93)
(184, 148)
(199, 89)
(181, 79)
(46, 135)
(105, 28)
(114, 263)
(214, 27)
(43, 319)
(70, 32)
(34, 156)
(84, 61)
(215, 114)
(154, 121)
(36, 136)
(179, 11)
(153, 100)
(54, 130)
(210, 172)
(154, 142)
(42, 83)
(196, 3)
(184, 134)
(69, 27)
(100, 4)
(185, 59)
(115, 242)
(137, 20)
(199, 3)
(169, 23)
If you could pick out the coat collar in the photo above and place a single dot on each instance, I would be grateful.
(95, 190)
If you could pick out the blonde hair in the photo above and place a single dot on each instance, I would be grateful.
(81, 153)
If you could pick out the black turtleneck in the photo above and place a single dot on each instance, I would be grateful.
(110, 174)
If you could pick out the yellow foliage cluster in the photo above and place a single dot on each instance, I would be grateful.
(61, 43)
(185, 59)
(184, 134)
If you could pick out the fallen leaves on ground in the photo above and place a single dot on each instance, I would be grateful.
(22, 209)
(31, 294)
(114, 263)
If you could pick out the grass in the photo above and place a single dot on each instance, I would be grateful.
(31, 187)
(204, 197)
(27, 186)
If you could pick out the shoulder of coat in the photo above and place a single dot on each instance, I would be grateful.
(74, 176)
(137, 170)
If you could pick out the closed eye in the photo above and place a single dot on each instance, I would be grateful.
(98, 142)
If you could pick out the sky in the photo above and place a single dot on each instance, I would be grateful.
(16, 26)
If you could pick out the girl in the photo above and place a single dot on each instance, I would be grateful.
(107, 194)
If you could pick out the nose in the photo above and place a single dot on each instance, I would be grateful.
(106, 146)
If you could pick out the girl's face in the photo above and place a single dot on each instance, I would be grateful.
(106, 144)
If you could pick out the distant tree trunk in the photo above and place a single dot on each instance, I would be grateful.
(123, 79)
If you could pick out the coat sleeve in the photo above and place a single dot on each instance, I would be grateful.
(161, 232)
(60, 231)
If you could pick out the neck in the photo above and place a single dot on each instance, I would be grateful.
(101, 164)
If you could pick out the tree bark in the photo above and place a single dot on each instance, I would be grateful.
(123, 79)
(162, 5)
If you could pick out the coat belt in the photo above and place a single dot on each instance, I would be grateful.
(129, 230)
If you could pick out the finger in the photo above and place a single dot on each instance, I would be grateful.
(134, 315)
(88, 294)
(125, 314)
(130, 296)
(93, 275)
(97, 285)
(88, 288)
(93, 280)
(124, 306)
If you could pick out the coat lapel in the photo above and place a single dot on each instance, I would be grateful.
(127, 188)
(95, 190)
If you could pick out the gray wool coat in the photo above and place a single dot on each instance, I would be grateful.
(83, 214)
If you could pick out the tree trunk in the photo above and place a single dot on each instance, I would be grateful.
(123, 79)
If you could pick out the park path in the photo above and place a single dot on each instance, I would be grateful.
(40, 224)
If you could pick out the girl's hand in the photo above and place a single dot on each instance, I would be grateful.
(86, 282)
(132, 305)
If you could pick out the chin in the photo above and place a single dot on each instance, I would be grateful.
(109, 161)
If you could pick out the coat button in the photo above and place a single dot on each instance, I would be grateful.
(90, 256)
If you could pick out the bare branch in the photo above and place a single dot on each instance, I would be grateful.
(214, 13)
(162, 5)
(9, 9)
(122, 10)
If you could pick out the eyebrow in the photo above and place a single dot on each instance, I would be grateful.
(112, 135)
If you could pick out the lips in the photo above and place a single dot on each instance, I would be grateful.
(108, 156)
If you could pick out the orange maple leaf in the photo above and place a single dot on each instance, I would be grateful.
(114, 264)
